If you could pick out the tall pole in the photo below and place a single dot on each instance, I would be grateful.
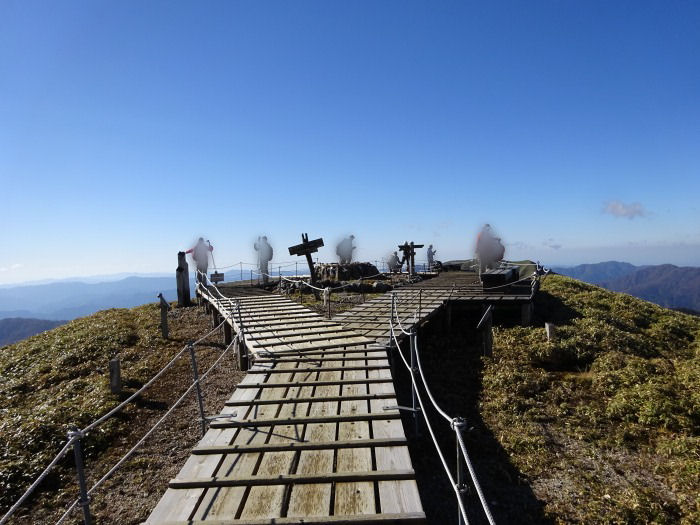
(195, 374)
(80, 470)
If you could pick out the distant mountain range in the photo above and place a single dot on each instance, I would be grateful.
(67, 300)
(664, 284)
(15, 329)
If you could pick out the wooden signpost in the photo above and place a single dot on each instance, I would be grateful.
(409, 255)
(306, 248)
(182, 277)
(216, 277)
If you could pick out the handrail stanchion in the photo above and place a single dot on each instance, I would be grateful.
(198, 389)
(459, 424)
(414, 409)
(244, 358)
(84, 501)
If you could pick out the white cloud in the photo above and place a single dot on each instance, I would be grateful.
(15, 266)
(550, 243)
(620, 209)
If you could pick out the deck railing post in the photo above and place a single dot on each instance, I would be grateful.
(198, 389)
(414, 370)
(243, 357)
(459, 424)
(84, 500)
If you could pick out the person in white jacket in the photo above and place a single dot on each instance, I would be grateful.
(200, 255)
(344, 250)
(489, 249)
(431, 256)
(264, 257)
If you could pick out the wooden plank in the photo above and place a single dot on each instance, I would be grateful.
(282, 340)
(314, 499)
(302, 420)
(268, 501)
(355, 496)
(289, 479)
(300, 445)
(417, 518)
(314, 399)
(227, 501)
(394, 496)
(337, 329)
(267, 361)
(316, 369)
(317, 383)
(332, 352)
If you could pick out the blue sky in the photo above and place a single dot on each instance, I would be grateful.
(129, 128)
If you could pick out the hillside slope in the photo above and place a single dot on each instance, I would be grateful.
(603, 421)
(60, 378)
(14, 329)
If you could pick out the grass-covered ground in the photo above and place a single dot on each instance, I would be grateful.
(604, 420)
(60, 378)
(598, 426)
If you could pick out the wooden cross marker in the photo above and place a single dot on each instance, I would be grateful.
(409, 255)
(307, 248)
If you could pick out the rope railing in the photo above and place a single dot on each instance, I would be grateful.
(456, 423)
(79, 434)
(141, 441)
(222, 297)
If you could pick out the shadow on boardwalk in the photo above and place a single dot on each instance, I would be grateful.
(452, 364)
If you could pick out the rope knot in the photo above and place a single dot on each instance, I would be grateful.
(75, 433)
(458, 423)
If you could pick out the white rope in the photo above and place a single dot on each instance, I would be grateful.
(38, 480)
(145, 436)
(472, 473)
(425, 384)
(455, 427)
(121, 405)
(432, 433)
(95, 424)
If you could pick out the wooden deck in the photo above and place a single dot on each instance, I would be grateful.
(418, 302)
(308, 439)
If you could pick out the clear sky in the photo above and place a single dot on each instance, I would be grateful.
(128, 128)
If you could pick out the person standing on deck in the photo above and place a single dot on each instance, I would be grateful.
(264, 257)
(394, 263)
(431, 257)
(200, 255)
(489, 249)
(344, 250)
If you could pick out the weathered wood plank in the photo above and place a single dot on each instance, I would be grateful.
(354, 477)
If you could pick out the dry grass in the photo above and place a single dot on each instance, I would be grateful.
(60, 378)
(604, 420)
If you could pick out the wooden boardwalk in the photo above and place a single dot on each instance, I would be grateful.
(418, 302)
(308, 438)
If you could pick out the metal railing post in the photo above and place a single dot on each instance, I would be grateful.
(198, 389)
(241, 265)
(459, 424)
(84, 500)
(414, 370)
(244, 359)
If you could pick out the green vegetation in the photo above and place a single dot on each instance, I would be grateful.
(60, 378)
(603, 420)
